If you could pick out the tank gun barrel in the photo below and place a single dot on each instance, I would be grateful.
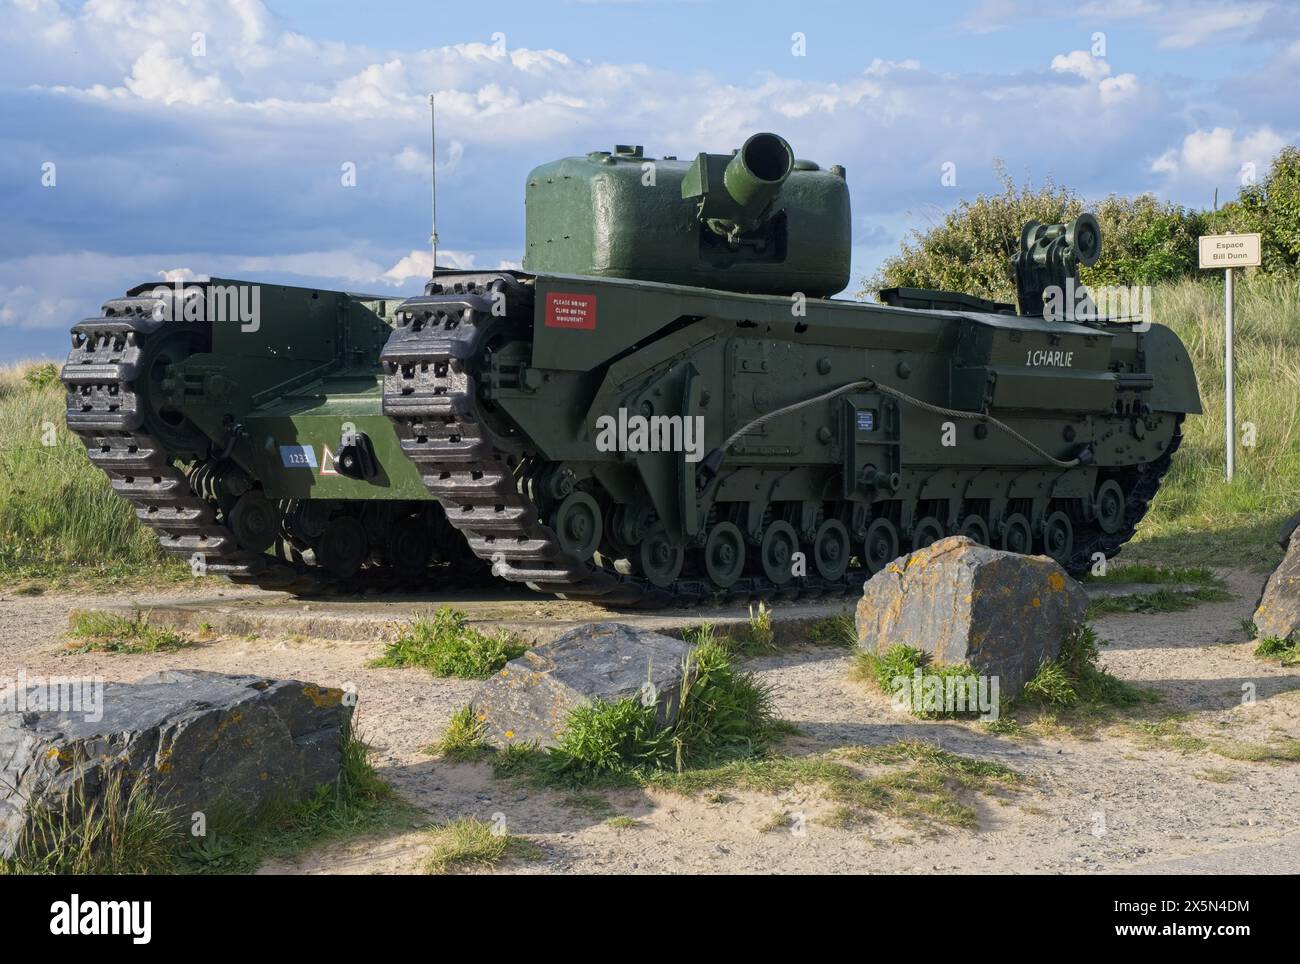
(738, 193)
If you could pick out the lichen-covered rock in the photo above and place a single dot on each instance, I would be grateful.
(530, 698)
(1001, 613)
(1278, 612)
(201, 740)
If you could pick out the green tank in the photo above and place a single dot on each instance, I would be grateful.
(665, 405)
(245, 424)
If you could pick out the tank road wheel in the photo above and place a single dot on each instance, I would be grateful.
(343, 546)
(1016, 534)
(927, 532)
(409, 546)
(724, 554)
(255, 521)
(880, 547)
(974, 528)
(775, 553)
(831, 550)
(578, 524)
(661, 561)
(1058, 537)
(1109, 507)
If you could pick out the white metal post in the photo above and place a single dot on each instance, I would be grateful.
(1230, 403)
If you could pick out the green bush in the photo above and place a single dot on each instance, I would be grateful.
(1144, 240)
(1271, 207)
(446, 645)
(723, 714)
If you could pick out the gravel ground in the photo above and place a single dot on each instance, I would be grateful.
(1105, 801)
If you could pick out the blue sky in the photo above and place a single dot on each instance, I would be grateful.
(208, 137)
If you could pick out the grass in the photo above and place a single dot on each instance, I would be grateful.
(1149, 574)
(472, 843)
(1073, 681)
(1076, 679)
(133, 831)
(1198, 518)
(623, 822)
(1284, 651)
(463, 741)
(722, 713)
(130, 832)
(59, 519)
(108, 632)
(863, 782)
(903, 663)
(838, 630)
(1159, 601)
(446, 645)
(1168, 734)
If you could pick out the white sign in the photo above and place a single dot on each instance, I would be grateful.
(1229, 251)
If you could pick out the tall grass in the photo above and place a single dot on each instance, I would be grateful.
(1198, 517)
(58, 515)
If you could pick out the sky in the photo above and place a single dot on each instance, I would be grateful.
(288, 140)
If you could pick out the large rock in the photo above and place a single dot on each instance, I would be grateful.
(202, 740)
(1278, 612)
(530, 699)
(1001, 613)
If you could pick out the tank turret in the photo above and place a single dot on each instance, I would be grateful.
(755, 220)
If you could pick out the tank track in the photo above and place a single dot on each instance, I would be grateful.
(431, 366)
(107, 413)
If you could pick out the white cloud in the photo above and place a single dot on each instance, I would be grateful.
(1081, 62)
(1219, 153)
(1192, 26)
(419, 264)
(156, 76)
(1118, 88)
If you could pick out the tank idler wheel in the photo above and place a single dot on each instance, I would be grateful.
(1016, 534)
(974, 528)
(1058, 537)
(1109, 507)
(660, 560)
(880, 547)
(724, 554)
(831, 549)
(409, 546)
(343, 547)
(578, 524)
(255, 521)
(776, 552)
(926, 532)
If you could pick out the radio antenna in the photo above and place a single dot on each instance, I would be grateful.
(433, 165)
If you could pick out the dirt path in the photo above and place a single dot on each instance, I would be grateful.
(1109, 801)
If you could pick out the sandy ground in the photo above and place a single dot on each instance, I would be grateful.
(1100, 802)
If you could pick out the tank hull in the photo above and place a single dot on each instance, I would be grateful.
(520, 397)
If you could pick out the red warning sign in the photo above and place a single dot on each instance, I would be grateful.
(570, 311)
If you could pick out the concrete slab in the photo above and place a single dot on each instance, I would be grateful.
(532, 617)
